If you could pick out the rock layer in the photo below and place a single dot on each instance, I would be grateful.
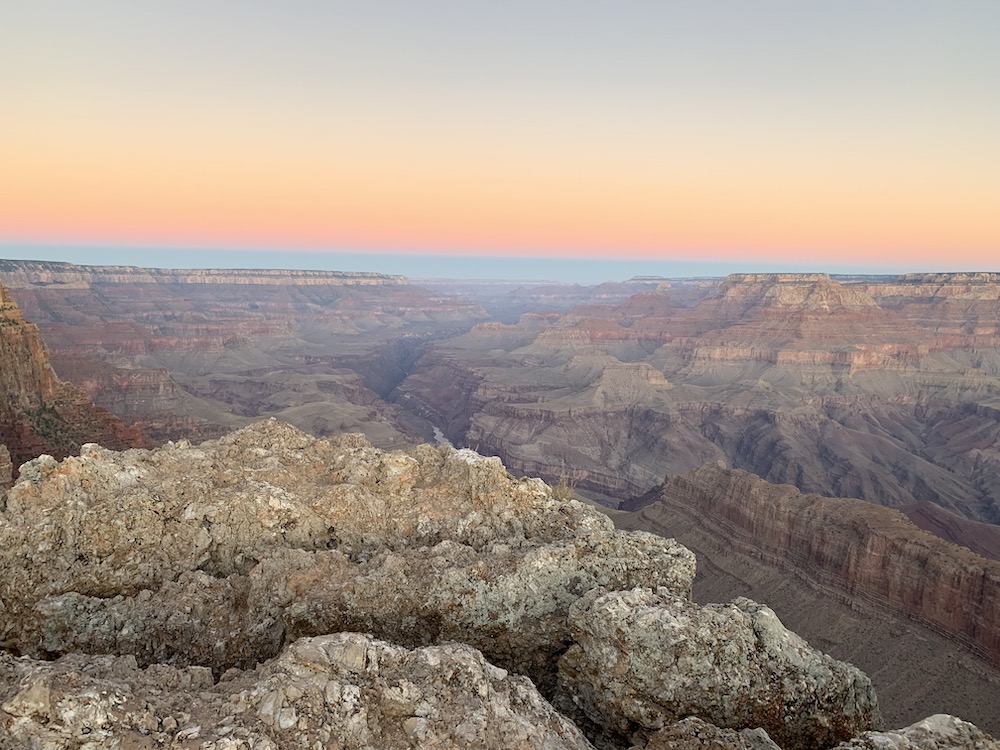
(187, 354)
(859, 550)
(885, 389)
(39, 413)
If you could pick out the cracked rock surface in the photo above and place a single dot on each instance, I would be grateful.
(218, 554)
(347, 691)
(643, 659)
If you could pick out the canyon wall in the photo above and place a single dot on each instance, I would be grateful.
(916, 613)
(861, 387)
(193, 353)
(39, 413)
(862, 551)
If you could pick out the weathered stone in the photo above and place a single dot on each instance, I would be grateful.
(643, 659)
(310, 696)
(218, 554)
(694, 734)
(938, 732)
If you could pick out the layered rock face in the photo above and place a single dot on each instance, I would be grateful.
(38, 412)
(867, 552)
(6, 468)
(862, 580)
(193, 353)
(274, 590)
(863, 388)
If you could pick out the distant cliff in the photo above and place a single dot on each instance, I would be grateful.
(18, 274)
(38, 412)
(850, 548)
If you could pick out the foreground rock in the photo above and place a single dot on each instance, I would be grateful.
(217, 555)
(938, 732)
(344, 691)
(643, 659)
(694, 734)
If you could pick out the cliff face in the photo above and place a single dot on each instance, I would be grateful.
(855, 388)
(192, 353)
(38, 412)
(864, 552)
(6, 468)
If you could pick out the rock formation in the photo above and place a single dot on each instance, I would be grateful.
(693, 733)
(858, 580)
(938, 732)
(194, 353)
(643, 659)
(6, 468)
(868, 388)
(865, 551)
(274, 590)
(348, 691)
(38, 412)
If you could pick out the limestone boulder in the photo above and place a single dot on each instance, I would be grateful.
(643, 659)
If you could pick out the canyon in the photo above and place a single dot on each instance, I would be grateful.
(880, 388)
(860, 580)
(885, 389)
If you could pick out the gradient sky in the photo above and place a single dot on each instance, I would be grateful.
(854, 134)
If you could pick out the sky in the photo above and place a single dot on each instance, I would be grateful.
(640, 135)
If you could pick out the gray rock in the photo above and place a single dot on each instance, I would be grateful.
(938, 732)
(347, 691)
(694, 734)
(218, 554)
(643, 659)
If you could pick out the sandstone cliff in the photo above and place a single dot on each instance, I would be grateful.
(39, 413)
(274, 590)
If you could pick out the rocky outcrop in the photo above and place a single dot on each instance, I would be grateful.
(938, 732)
(218, 555)
(348, 691)
(270, 589)
(854, 549)
(39, 413)
(643, 659)
(693, 733)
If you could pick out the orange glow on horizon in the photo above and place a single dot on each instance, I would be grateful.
(198, 191)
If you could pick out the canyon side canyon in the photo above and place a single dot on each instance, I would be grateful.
(739, 416)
